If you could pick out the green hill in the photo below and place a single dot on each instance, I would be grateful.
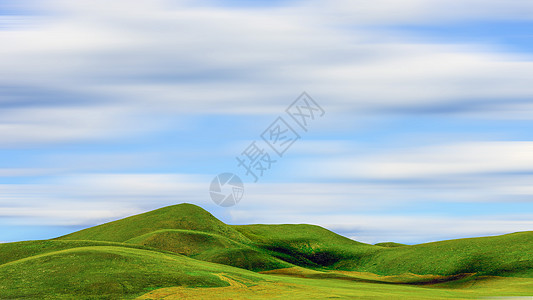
(305, 245)
(190, 230)
(315, 247)
(505, 255)
(181, 216)
(110, 271)
(184, 248)
(389, 244)
(184, 229)
(210, 247)
(15, 251)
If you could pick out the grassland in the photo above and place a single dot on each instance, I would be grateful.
(288, 287)
(183, 252)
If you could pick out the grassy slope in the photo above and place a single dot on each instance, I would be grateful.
(14, 251)
(181, 216)
(107, 270)
(285, 287)
(210, 247)
(185, 229)
(306, 245)
(120, 272)
(314, 246)
(505, 255)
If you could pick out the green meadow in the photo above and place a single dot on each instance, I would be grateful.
(184, 252)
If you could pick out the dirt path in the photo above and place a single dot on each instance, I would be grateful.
(235, 290)
(231, 282)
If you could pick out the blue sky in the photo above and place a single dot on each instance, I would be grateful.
(112, 109)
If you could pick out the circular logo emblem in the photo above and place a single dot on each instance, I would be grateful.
(226, 189)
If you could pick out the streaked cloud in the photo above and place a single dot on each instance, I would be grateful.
(78, 78)
(424, 11)
(434, 161)
(370, 212)
(154, 58)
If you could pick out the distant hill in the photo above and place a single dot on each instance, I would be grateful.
(389, 244)
(504, 255)
(305, 245)
(185, 246)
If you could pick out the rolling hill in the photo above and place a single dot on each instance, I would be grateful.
(505, 255)
(183, 251)
(181, 216)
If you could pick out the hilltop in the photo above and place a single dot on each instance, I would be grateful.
(183, 216)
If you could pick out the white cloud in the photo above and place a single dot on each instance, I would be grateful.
(94, 198)
(433, 161)
(19, 127)
(120, 68)
(16, 172)
(149, 58)
(365, 211)
(423, 11)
